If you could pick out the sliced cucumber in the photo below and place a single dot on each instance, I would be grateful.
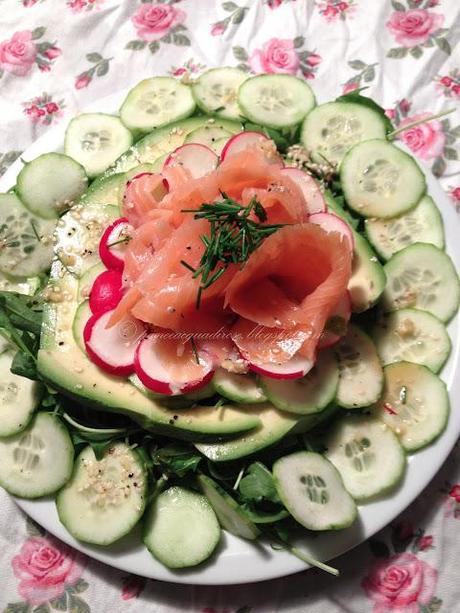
(19, 398)
(334, 207)
(413, 336)
(216, 91)
(424, 277)
(380, 180)
(331, 129)
(211, 136)
(368, 278)
(274, 425)
(310, 394)
(82, 314)
(181, 528)
(415, 404)
(96, 140)
(312, 491)
(423, 224)
(361, 374)
(50, 184)
(37, 461)
(162, 141)
(275, 100)
(229, 513)
(86, 281)
(105, 498)
(104, 190)
(155, 102)
(239, 388)
(27, 240)
(21, 286)
(367, 454)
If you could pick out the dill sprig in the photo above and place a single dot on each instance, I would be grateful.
(232, 238)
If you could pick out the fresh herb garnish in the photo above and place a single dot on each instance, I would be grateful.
(125, 239)
(233, 237)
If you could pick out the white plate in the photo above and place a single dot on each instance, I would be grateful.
(239, 561)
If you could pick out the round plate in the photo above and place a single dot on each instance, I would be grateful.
(239, 561)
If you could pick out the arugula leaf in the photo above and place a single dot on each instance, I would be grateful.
(25, 365)
(176, 459)
(356, 97)
(258, 484)
(99, 447)
(23, 311)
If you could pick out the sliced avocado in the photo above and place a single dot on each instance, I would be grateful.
(274, 426)
(166, 139)
(104, 190)
(368, 278)
(87, 279)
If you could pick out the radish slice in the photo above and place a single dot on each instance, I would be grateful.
(170, 367)
(198, 159)
(113, 349)
(143, 193)
(295, 368)
(241, 141)
(310, 189)
(343, 311)
(112, 245)
(106, 292)
(332, 223)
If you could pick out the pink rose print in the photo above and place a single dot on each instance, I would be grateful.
(43, 109)
(425, 542)
(17, 55)
(44, 568)
(426, 140)
(153, 21)
(274, 4)
(82, 81)
(413, 27)
(455, 489)
(277, 55)
(83, 5)
(349, 87)
(364, 73)
(190, 67)
(28, 3)
(132, 587)
(449, 84)
(235, 17)
(333, 10)
(400, 583)
(218, 29)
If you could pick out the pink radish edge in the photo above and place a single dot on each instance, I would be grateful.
(295, 368)
(162, 386)
(110, 259)
(198, 159)
(106, 291)
(309, 188)
(332, 223)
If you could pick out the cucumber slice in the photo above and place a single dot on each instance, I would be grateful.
(367, 454)
(27, 240)
(86, 281)
(51, 184)
(331, 129)
(37, 461)
(415, 404)
(312, 490)
(155, 102)
(361, 374)
(229, 513)
(104, 190)
(368, 279)
(96, 140)
(212, 137)
(334, 207)
(181, 528)
(380, 180)
(413, 336)
(275, 100)
(239, 388)
(19, 398)
(310, 394)
(424, 277)
(21, 286)
(162, 141)
(274, 425)
(423, 224)
(82, 314)
(105, 498)
(216, 91)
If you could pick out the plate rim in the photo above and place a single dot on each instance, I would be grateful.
(247, 563)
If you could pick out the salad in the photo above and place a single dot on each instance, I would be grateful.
(224, 308)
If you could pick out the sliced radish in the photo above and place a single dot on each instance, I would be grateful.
(168, 366)
(295, 368)
(113, 349)
(112, 245)
(142, 194)
(332, 223)
(106, 292)
(310, 189)
(198, 159)
(241, 141)
(338, 318)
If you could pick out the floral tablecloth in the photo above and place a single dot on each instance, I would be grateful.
(56, 56)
